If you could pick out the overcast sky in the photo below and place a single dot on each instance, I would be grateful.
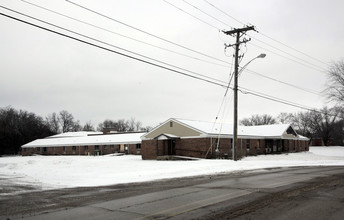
(42, 72)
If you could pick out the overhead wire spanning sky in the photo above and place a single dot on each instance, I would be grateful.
(44, 73)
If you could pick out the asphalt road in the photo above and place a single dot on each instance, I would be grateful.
(285, 193)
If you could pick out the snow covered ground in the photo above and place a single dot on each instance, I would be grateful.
(53, 172)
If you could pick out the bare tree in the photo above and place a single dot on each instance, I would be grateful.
(146, 129)
(285, 118)
(335, 84)
(131, 124)
(66, 121)
(301, 121)
(76, 126)
(18, 128)
(52, 121)
(138, 125)
(120, 125)
(258, 120)
(323, 123)
(88, 126)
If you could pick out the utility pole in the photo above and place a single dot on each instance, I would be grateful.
(238, 33)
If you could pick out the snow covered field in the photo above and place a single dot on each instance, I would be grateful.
(53, 172)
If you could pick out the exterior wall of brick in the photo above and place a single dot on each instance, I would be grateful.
(80, 150)
(206, 147)
(134, 149)
(148, 149)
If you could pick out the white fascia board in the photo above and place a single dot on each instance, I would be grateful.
(188, 126)
(79, 144)
(143, 136)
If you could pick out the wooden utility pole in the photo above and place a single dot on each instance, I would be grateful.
(238, 33)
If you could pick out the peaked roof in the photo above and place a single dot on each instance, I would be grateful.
(284, 131)
(209, 128)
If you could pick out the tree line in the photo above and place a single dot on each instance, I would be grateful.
(18, 127)
(326, 124)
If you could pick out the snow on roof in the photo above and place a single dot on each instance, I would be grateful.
(75, 134)
(211, 128)
(126, 138)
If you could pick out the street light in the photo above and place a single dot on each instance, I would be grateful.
(236, 74)
(262, 55)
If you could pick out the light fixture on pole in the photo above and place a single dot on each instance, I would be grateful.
(235, 126)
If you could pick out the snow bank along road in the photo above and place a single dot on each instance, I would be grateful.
(280, 193)
(22, 174)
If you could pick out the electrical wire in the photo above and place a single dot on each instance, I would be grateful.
(288, 58)
(242, 89)
(122, 35)
(282, 82)
(224, 12)
(177, 44)
(289, 54)
(192, 15)
(110, 50)
(205, 13)
(145, 32)
(108, 44)
(292, 48)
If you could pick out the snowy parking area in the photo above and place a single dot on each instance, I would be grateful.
(54, 172)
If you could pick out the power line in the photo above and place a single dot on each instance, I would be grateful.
(183, 46)
(192, 15)
(205, 13)
(103, 42)
(113, 51)
(303, 89)
(145, 32)
(160, 66)
(122, 35)
(292, 48)
(289, 54)
(305, 61)
(282, 82)
(288, 58)
(224, 12)
(288, 103)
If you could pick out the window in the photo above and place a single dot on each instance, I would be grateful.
(24, 149)
(44, 149)
(64, 148)
(217, 142)
(247, 144)
(112, 147)
(38, 149)
(96, 147)
(104, 147)
(86, 147)
(171, 123)
(138, 146)
(74, 148)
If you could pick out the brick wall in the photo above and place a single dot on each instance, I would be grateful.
(79, 150)
(206, 147)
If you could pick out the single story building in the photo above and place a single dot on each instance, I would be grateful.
(214, 140)
(85, 143)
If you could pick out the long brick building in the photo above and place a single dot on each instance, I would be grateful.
(85, 143)
(214, 140)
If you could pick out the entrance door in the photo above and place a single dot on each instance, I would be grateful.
(121, 149)
(171, 147)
